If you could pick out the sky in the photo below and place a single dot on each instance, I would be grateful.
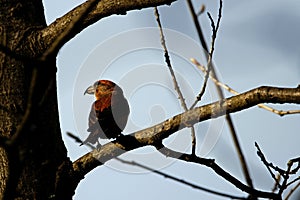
(256, 45)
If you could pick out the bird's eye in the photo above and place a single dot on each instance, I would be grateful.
(96, 84)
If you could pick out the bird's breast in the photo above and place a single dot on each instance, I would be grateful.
(103, 103)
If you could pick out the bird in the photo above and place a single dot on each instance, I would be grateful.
(109, 112)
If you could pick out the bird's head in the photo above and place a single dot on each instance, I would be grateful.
(101, 87)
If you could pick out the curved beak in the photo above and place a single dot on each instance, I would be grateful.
(90, 90)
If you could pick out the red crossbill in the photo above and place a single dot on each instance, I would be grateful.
(109, 113)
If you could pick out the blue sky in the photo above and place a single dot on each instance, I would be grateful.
(257, 45)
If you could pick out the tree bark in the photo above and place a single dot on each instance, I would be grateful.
(33, 158)
(28, 161)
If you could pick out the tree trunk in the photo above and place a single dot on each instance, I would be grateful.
(31, 148)
(33, 158)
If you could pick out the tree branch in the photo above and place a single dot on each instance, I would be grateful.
(269, 166)
(62, 38)
(218, 170)
(231, 90)
(103, 9)
(174, 79)
(292, 191)
(212, 72)
(158, 132)
(165, 175)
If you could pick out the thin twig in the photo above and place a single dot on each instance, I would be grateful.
(221, 95)
(231, 90)
(197, 26)
(209, 64)
(278, 112)
(78, 140)
(168, 61)
(269, 166)
(215, 29)
(133, 163)
(175, 82)
(292, 161)
(289, 172)
(293, 181)
(284, 173)
(286, 177)
(201, 10)
(276, 186)
(292, 191)
(194, 140)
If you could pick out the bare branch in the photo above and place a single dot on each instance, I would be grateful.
(209, 61)
(175, 82)
(215, 29)
(293, 181)
(157, 133)
(218, 170)
(197, 26)
(269, 166)
(168, 61)
(288, 173)
(291, 162)
(285, 174)
(78, 140)
(276, 186)
(133, 163)
(65, 35)
(292, 191)
(201, 10)
(231, 90)
(78, 16)
(211, 72)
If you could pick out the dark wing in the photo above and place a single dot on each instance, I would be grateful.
(93, 127)
(113, 119)
(120, 109)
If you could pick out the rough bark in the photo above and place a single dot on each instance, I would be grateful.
(33, 158)
(103, 9)
(30, 161)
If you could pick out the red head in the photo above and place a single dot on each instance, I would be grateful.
(101, 88)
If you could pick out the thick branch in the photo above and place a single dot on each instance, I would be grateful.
(103, 9)
(156, 133)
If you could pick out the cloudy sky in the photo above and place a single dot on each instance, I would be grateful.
(257, 45)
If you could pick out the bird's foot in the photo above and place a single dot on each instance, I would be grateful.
(98, 145)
